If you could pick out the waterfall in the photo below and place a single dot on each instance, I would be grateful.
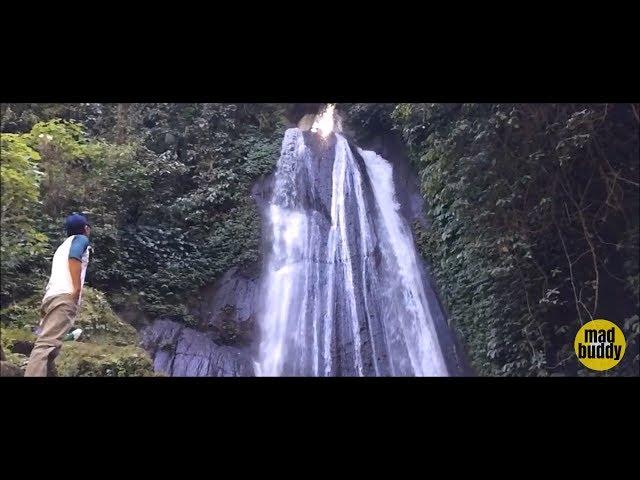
(342, 292)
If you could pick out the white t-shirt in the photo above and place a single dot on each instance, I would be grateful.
(75, 246)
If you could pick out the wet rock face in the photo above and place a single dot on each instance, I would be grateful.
(179, 351)
(227, 334)
(314, 183)
(228, 308)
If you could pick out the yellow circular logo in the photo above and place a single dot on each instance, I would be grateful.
(600, 345)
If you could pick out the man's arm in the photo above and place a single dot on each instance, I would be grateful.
(75, 268)
(78, 246)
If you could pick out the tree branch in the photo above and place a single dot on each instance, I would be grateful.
(573, 285)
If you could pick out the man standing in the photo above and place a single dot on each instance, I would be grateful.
(62, 296)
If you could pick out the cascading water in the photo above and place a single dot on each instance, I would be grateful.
(343, 293)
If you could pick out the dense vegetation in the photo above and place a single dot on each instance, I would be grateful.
(534, 210)
(165, 185)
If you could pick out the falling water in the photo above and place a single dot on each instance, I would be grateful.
(343, 293)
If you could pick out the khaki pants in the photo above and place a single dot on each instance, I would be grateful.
(58, 314)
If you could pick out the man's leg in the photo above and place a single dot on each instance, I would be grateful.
(58, 318)
(52, 371)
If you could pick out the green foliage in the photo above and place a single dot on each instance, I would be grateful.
(89, 360)
(96, 318)
(534, 223)
(368, 118)
(165, 186)
(228, 331)
(24, 314)
(107, 346)
(534, 213)
(12, 336)
(166, 189)
(73, 169)
(194, 219)
(20, 239)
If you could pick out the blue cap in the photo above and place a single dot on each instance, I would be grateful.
(74, 224)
